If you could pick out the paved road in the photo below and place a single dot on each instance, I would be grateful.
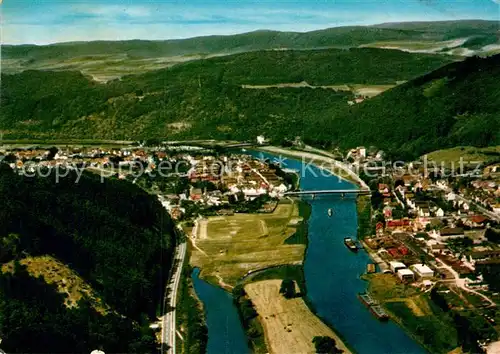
(168, 333)
(486, 212)
(460, 282)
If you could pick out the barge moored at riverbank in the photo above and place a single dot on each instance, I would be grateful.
(374, 307)
(366, 299)
(379, 312)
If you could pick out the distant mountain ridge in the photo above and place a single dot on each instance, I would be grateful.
(346, 36)
(105, 60)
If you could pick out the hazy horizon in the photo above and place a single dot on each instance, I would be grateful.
(58, 21)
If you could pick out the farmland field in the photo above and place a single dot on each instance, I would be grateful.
(229, 247)
(289, 325)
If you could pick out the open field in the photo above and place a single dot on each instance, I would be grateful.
(228, 247)
(467, 154)
(101, 68)
(357, 89)
(387, 286)
(66, 280)
(418, 46)
(288, 323)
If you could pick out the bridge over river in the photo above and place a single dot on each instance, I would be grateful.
(342, 192)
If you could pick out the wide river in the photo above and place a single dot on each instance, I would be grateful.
(332, 274)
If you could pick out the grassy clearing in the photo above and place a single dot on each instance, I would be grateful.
(386, 287)
(289, 325)
(414, 45)
(229, 247)
(468, 154)
(67, 281)
(358, 89)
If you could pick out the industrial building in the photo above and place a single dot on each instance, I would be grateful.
(423, 271)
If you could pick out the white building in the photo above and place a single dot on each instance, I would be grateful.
(395, 266)
(362, 151)
(423, 271)
(405, 274)
(440, 213)
(261, 139)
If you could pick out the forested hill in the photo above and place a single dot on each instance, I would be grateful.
(337, 37)
(200, 98)
(458, 104)
(455, 104)
(108, 60)
(112, 234)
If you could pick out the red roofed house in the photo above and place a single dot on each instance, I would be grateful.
(478, 219)
(398, 223)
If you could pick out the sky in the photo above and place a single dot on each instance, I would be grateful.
(51, 21)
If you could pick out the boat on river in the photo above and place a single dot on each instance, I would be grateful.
(349, 242)
(374, 306)
(330, 212)
(379, 312)
(366, 299)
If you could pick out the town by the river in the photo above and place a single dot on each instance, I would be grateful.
(332, 276)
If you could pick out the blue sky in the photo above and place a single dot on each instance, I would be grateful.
(50, 21)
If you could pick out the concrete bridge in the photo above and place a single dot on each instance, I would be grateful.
(342, 192)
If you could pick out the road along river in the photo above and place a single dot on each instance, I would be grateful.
(332, 277)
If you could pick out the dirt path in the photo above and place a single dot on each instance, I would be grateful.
(289, 325)
(461, 283)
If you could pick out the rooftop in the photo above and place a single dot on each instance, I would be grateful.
(396, 264)
(405, 271)
(422, 268)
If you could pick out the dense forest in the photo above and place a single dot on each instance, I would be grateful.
(454, 104)
(114, 235)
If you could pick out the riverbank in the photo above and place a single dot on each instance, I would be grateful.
(337, 168)
(190, 319)
(415, 312)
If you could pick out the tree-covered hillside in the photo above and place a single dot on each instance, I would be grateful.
(455, 105)
(108, 60)
(112, 234)
(337, 37)
(200, 98)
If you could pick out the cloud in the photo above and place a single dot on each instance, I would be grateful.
(113, 10)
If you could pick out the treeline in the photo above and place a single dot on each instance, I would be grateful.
(249, 318)
(190, 316)
(470, 327)
(113, 234)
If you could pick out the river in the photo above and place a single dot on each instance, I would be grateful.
(332, 276)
